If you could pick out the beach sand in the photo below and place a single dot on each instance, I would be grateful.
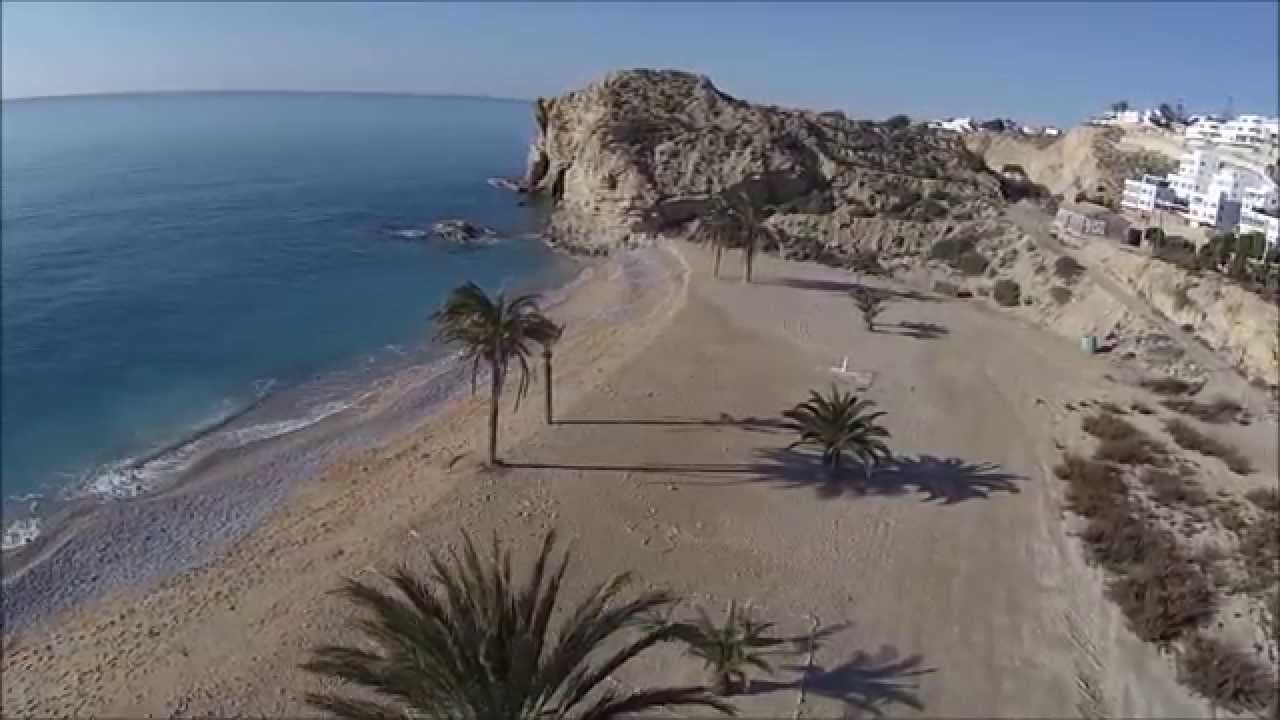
(952, 589)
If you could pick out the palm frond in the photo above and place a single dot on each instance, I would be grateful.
(471, 641)
(839, 423)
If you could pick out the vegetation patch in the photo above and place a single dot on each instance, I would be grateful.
(1060, 294)
(1169, 386)
(1068, 269)
(1122, 442)
(945, 288)
(1141, 408)
(1220, 410)
(1161, 590)
(1192, 439)
(1267, 499)
(972, 262)
(1007, 293)
(1225, 676)
(1173, 488)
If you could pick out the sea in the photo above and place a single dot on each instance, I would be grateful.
(187, 272)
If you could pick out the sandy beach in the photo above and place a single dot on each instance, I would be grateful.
(951, 589)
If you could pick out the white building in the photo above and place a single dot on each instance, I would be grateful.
(1149, 193)
(1251, 131)
(1203, 131)
(959, 125)
(1268, 225)
(1210, 188)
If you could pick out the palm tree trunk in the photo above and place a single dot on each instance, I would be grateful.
(495, 394)
(749, 259)
(715, 266)
(546, 371)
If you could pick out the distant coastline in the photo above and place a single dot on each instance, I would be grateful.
(329, 93)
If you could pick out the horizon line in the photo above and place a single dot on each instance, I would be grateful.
(260, 91)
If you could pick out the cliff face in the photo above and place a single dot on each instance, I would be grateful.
(642, 152)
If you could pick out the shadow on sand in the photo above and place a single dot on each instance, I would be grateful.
(946, 480)
(869, 684)
(843, 286)
(725, 420)
(917, 330)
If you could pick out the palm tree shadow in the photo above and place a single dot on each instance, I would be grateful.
(751, 423)
(841, 286)
(920, 330)
(948, 480)
(867, 683)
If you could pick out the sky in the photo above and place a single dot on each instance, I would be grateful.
(1036, 62)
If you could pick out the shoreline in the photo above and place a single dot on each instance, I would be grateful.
(224, 492)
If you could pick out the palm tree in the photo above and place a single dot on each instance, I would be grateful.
(468, 643)
(547, 347)
(729, 649)
(721, 228)
(840, 423)
(497, 332)
(870, 303)
(748, 225)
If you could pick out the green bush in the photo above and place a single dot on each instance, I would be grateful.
(1007, 293)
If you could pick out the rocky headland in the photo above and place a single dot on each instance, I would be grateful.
(646, 153)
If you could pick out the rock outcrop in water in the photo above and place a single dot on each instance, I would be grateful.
(462, 232)
(643, 152)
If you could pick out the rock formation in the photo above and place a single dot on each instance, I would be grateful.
(643, 152)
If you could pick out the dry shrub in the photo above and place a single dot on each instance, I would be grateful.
(1163, 600)
(972, 263)
(1112, 408)
(1161, 591)
(1092, 487)
(1169, 386)
(1174, 488)
(1227, 677)
(1192, 439)
(1141, 408)
(1219, 410)
(1267, 499)
(1068, 269)
(1060, 295)
(1106, 426)
(1260, 554)
(1007, 293)
(1140, 450)
(945, 288)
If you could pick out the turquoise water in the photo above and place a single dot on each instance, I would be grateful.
(168, 261)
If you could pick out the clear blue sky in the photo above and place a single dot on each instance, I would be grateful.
(1037, 62)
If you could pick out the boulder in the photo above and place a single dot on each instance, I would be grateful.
(463, 232)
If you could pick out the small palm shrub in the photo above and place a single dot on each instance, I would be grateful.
(870, 303)
(729, 649)
(839, 423)
(469, 642)
(1068, 269)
